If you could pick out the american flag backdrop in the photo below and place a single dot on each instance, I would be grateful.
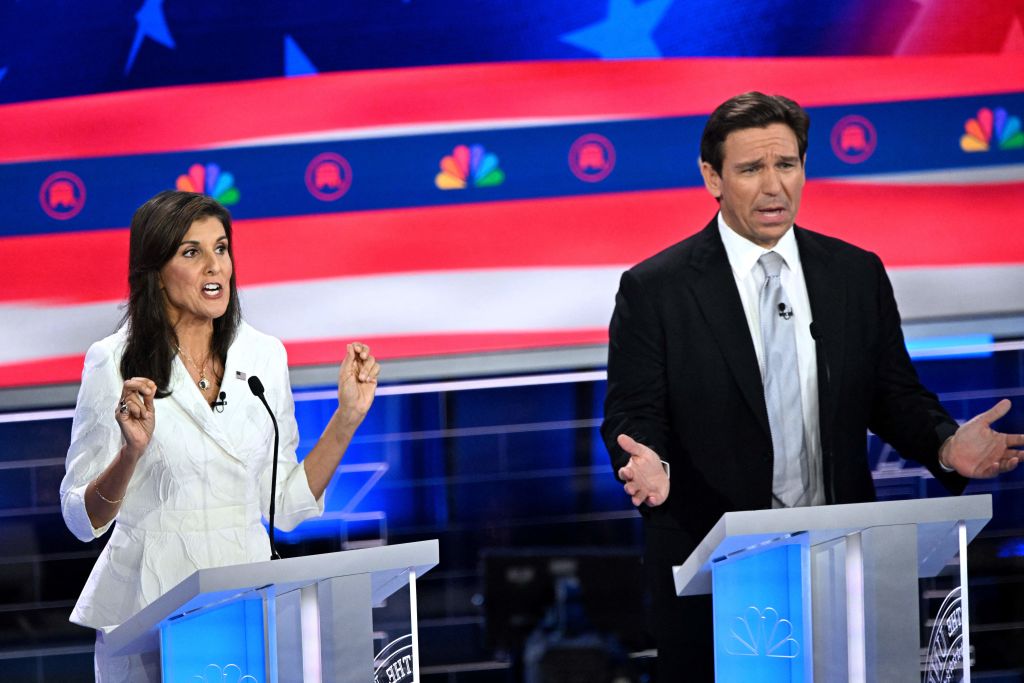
(431, 191)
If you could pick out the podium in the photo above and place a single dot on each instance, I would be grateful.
(832, 593)
(305, 619)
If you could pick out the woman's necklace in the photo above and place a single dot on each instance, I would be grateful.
(203, 383)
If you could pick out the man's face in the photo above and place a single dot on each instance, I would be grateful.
(761, 182)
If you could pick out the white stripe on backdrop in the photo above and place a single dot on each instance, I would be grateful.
(470, 301)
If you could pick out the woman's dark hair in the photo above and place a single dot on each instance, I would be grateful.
(751, 110)
(157, 229)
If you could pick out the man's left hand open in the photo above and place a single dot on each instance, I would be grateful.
(978, 451)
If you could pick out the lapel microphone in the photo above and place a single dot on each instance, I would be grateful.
(221, 401)
(256, 387)
(784, 312)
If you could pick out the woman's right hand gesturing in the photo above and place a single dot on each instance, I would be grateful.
(135, 414)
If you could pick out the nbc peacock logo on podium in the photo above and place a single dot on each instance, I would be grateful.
(765, 633)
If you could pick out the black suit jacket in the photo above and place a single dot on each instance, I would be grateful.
(683, 379)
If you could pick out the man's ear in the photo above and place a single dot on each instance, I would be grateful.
(712, 181)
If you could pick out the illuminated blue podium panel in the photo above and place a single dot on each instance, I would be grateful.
(304, 619)
(834, 593)
(761, 608)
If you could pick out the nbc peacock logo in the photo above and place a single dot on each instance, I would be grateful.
(471, 166)
(211, 180)
(758, 633)
(992, 129)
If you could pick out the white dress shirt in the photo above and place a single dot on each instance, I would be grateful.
(743, 255)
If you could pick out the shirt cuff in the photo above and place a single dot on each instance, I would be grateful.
(945, 468)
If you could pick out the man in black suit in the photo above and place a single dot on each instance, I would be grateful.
(686, 421)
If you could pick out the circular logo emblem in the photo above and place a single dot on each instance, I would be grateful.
(62, 195)
(945, 661)
(328, 176)
(393, 664)
(592, 157)
(854, 139)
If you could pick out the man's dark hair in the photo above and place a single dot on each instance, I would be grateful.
(751, 110)
(157, 229)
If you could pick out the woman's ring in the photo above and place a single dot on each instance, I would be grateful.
(123, 407)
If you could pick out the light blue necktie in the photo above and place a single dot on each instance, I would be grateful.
(782, 387)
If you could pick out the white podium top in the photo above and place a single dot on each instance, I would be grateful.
(388, 566)
(936, 520)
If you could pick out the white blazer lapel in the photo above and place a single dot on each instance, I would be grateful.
(188, 397)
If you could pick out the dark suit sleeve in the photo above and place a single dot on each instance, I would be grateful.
(904, 413)
(636, 403)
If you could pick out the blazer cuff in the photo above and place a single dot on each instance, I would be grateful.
(295, 501)
(76, 517)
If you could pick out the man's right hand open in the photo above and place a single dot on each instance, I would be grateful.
(645, 478)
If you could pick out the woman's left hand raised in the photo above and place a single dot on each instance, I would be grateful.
(357, 382)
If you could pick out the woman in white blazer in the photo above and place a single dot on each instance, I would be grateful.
(155, 448)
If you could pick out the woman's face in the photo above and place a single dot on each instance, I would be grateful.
(196, 279)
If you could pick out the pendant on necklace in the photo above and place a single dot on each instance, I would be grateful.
(204, 383)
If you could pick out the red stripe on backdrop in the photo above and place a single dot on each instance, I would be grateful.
(920, 225)
(333, 350)
(907, 225)
(190, 117)
(65, 268)
(594, 230)
(67, 369)
(57, 370)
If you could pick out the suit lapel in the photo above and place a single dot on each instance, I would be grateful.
(719, 301)
(828, 306)
(188, 397)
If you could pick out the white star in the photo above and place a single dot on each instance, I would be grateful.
(152, 24)
(625, 32)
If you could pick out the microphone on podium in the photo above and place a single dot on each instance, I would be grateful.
(256, 387)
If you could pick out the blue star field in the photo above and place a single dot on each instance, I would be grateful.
(106, 46)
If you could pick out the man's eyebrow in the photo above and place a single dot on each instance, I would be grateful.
(760, 161)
